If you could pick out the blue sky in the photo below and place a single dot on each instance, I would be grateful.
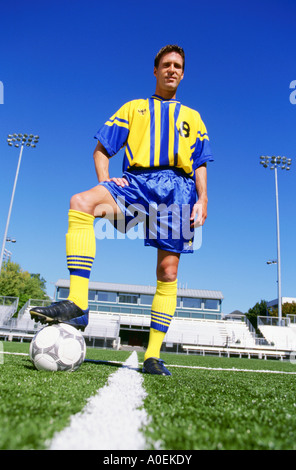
(66, 66)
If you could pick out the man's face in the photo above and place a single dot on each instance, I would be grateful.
(168, 74)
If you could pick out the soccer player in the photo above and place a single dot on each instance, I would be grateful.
(164, 182)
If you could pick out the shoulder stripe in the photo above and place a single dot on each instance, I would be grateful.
(117, 121)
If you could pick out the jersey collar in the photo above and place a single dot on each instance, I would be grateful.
(160, 98)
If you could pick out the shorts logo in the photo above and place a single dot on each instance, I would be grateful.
(184, 129)
(187, 245)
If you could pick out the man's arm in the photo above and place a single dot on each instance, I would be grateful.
(101, 159)
(199, 211)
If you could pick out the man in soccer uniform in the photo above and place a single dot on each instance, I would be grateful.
(164, 171)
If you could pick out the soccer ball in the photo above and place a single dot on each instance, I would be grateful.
(58, 347)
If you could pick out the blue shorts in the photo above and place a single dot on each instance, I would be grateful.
(163, 201)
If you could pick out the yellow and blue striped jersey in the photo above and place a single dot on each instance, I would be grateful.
(157, 133)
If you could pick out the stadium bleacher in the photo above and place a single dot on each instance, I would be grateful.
(104, 327)
(8, 307)
(190, 335)
(282, 337)
(209, 332)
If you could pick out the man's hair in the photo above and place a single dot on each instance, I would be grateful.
(169, 48)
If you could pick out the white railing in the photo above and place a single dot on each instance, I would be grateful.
(8, 307)
(273, 321)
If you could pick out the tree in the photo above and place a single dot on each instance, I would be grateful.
(14, 282)
(259, 310)
(287, 309)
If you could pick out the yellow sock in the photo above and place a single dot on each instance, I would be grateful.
(80, 250)
(162, 311)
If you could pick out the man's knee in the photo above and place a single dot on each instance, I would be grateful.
(88, 200)
(97, 202)
(79, 202)
(167, 273)
(167, 266)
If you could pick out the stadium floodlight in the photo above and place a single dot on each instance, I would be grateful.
(274, 163)
(12, 140)
(12, 240)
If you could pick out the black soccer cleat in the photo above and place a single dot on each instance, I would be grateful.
(61, 312)
(155, 366)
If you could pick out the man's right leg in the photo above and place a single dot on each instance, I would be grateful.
(80, 250)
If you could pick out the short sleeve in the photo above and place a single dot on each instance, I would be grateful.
(114, 133)
(201, 150)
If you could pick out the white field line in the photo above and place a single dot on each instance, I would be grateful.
(111, 420)
(233, 369)
(14, 353)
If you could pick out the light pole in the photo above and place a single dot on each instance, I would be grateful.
(274, 163)
(17, 140)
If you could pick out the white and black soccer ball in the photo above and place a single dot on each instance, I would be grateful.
(58, 347)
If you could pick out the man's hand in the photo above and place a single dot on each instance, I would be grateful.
(199, 213)
(200, 209)
(119, 181)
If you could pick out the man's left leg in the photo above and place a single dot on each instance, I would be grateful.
(162, 310)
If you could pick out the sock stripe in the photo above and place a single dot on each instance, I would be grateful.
(161, 317)
(157, 312)
(79, 265)
(82, 262)
(156, 322)
(80, 273)
(159, 327)
(160, 321)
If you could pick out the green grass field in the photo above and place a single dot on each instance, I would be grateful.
(206, 407)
